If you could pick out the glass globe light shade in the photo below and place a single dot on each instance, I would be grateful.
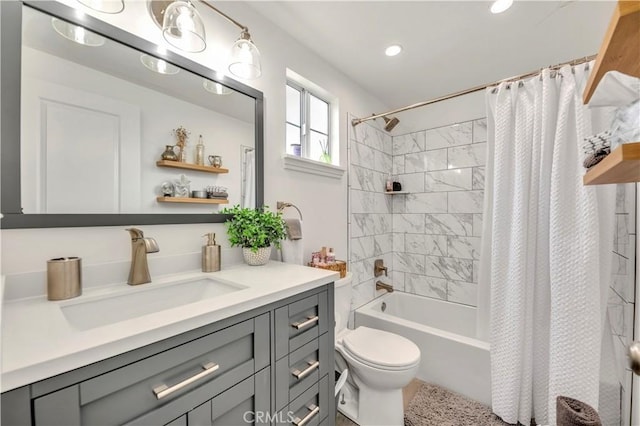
(216, 88)
(183, 28)
(104, 6)
(76, 33)
(245, 58)
(158, 65)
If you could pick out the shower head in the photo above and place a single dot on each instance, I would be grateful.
(390, 123)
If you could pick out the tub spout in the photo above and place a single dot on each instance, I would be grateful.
(382, 286)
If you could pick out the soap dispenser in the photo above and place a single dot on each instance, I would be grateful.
(210, 254)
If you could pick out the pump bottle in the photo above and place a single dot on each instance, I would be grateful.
(210, 254)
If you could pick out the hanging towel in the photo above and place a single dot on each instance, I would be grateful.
(571, 412)
(294, 229)
(291, 250)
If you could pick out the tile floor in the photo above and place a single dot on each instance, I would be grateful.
(407, 394)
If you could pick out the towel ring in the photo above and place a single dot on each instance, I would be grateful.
(281, 205)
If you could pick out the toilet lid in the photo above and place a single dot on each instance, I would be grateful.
(381, 348)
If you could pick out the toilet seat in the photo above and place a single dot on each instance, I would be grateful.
(381, 349)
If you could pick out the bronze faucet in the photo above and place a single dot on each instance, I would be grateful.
(140, 246)
(382, 286)
(378, 268)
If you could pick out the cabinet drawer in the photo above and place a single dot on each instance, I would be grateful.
(310, 408)
(302, 368)
(247, 403)
(180, 421)
(300, 322)
(209, 365)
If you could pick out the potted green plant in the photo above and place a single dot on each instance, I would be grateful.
(255, 230)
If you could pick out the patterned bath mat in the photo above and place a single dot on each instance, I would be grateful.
(435, 406)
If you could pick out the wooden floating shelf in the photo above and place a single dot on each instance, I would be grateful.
(396, 192)
(191, 200)
(621, 166)
(188, 166)
(620, 48)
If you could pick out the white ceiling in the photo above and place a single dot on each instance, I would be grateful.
(448, 45)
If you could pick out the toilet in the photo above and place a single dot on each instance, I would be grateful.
(380, 364)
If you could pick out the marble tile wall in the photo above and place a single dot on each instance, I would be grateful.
(370, 210)
(437, 225)
(615, 395)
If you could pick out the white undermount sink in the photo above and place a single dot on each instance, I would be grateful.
(142, 300)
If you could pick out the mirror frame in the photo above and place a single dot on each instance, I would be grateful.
(10, 123)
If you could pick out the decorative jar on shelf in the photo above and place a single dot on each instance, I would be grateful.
(169, 154)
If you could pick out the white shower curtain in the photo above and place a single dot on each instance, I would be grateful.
(546, 252)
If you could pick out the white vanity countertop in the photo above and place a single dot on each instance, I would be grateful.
(38, 342)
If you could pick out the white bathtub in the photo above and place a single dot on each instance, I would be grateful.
(444, 332)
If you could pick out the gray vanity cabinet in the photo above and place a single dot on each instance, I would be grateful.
(240, 405)
(225, 374)
(304, 360)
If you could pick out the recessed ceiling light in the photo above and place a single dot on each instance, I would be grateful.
(158, 65)
(500, 6)
(393, 50)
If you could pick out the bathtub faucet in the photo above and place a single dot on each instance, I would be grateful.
(378, 268)
(382, 286)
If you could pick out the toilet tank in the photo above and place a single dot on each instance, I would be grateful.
(342, 301)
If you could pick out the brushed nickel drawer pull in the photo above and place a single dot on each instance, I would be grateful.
(314, 410)
(163, 390)
(312, 366)
(310, 320)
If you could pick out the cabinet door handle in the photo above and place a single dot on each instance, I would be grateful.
(164, 390)
(312, 366)
(314, 410)
(303, 324)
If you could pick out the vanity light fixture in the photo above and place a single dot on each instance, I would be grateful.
(500, 6)
(215, 88)
(182, 27)
(158, 65)
(76, 33)
(393, 50)
(245, 57)
(104, 6)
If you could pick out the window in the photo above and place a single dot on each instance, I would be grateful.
(308, 124)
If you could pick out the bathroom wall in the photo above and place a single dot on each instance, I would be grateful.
(615, 382)
(323, 201)
(438, 223)
(370, 218)
(377, 220)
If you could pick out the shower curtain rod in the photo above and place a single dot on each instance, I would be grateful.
(357, 121)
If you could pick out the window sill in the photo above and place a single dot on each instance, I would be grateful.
(304, 165)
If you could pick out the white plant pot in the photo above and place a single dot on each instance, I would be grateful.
(256, 259)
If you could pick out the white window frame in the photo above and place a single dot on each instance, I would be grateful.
(304, 163)
(305, 120)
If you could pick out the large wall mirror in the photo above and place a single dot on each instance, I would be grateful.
(88, 111)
